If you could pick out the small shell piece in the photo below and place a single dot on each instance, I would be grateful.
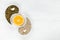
(26, 29)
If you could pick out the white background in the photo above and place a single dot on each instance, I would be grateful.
(45, 15)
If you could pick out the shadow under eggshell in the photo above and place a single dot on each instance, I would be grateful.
(12, 9)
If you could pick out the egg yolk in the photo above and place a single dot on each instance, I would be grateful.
(18, 20)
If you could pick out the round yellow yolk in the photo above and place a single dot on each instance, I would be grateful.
(18, 20)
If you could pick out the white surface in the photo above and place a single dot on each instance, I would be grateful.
(45, 15)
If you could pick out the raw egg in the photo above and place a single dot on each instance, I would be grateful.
(18, 20)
